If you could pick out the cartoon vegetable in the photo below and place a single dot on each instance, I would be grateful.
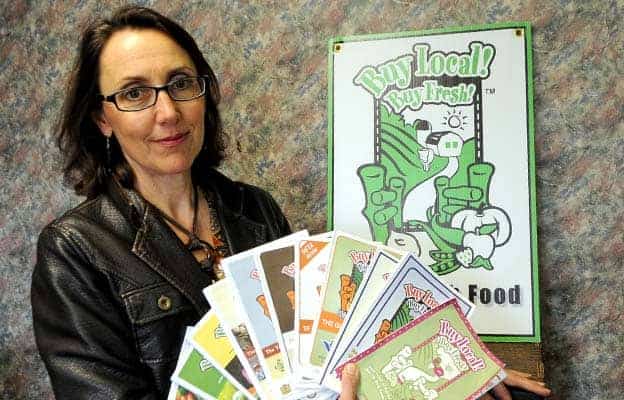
(481, 245)
(484, 230)
(404, 241)
(491, 221)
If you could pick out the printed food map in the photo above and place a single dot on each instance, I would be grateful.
(210, 340)
(380, 270)
(310, 278)
(277, 273)
(435, 357)
(196, 375)
(411, 292)
(347, 266)
(222, 299)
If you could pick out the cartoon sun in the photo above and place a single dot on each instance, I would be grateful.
(455, 119)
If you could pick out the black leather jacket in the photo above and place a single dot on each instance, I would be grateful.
(114, 288)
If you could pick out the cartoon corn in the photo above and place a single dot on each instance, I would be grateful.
(347, 292)
(291, 297)
(263, 303)
(384, 330)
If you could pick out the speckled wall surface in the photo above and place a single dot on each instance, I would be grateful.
(270, 58)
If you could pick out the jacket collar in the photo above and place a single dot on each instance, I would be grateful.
(241, 233)
(230, 196)
(158, 246)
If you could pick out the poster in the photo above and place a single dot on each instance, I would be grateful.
(431, 151)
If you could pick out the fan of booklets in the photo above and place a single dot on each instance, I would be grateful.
(290, 314)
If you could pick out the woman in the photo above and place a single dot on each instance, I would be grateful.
(119, 277)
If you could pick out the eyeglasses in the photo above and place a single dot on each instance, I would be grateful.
(141, 97)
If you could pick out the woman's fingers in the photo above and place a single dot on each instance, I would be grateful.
(510, 371)
(501, 392)
(521, 380)
(350, 378)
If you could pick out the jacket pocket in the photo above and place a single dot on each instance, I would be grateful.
(159, 315)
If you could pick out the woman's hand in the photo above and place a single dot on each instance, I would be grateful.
(518, 380)
(351, 377)
(349, 382)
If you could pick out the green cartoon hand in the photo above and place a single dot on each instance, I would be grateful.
(466, 222)
(462, 224)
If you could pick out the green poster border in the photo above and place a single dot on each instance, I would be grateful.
(332, 42)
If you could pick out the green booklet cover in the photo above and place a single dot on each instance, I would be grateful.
(437, 356)
(348, 263)
(198, 376)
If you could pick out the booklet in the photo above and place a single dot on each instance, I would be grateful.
(210, 340)
(177, 392)
(436, 356)
(222, 300)
(381, 268)
(412, 291)
(311, 258)
(277, 274)
(347, 266)
(245, 278)
(197, 375)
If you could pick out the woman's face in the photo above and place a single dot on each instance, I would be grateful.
(165, 138)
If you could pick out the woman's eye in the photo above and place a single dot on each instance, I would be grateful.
(134, 93)
(181, 84)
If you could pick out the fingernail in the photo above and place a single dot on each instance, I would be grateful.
(350, 369)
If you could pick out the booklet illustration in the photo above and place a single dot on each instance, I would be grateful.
(310, 277)
(210, 340)
(221, 297)
(412, 291)
(177, 392)
(243, 271)
(277, 273)
(437, 356)
(197, 375)
(348, 264)
(381, 268)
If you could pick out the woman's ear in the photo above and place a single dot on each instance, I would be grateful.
(100, 120)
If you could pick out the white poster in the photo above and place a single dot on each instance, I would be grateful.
(431, 151)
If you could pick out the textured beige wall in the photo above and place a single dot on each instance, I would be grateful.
(271, 60)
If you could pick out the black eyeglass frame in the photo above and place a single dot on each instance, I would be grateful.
(111, 97)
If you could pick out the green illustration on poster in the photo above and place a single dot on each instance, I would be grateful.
(464, 226)
(431, 151)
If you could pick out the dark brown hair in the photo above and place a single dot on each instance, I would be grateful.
(86, 165)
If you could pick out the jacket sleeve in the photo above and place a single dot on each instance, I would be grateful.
(82, 334)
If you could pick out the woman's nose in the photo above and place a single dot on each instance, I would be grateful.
(166, 108)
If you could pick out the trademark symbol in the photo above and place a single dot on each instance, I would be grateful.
(490, 90)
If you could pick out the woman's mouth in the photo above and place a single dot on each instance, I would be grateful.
(172, 140)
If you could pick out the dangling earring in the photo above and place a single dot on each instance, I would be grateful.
(108, 156)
